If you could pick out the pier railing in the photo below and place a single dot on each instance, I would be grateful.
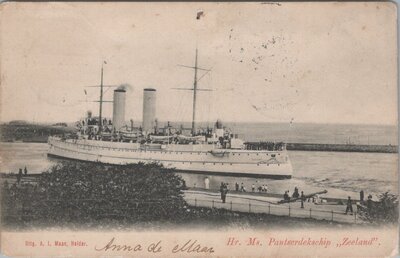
(293, 210)
(24, 211)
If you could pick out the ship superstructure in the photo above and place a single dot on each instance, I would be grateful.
(198, 150)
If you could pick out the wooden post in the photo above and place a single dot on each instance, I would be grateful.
(231, 205)
(249, 207)
(269, 208)
(310, 213)
(195, 202)
(332, 215)
(289, 211)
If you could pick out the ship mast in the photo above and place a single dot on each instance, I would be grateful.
(101, 100)
(195, 89)
(194, 96)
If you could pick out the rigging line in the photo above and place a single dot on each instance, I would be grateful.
(209, 105)
(182, 112)
(106, 90)
(204, 74)
(185, 111)
(198, 68)
(105, 101)
(179, 107)
(92, 94)
(213, 105)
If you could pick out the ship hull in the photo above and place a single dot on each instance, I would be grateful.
(189, 159)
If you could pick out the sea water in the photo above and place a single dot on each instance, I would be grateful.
(340, 173)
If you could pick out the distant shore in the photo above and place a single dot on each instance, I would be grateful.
(342, 147)
(352, 138)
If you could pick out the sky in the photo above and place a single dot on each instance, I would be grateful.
(300, 62)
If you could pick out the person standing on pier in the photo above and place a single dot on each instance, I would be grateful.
(349, 206)
(296, 193)
(221, 189)
(237, 187)
(224, 191)
(362, 196)
(25, 171)
(286, 196)
(303, 199)
(207, 183)
(316, 199)
(253, 188)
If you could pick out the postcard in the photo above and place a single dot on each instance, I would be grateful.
(199, 129)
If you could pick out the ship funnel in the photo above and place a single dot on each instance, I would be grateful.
(149, 109)
(119, 108)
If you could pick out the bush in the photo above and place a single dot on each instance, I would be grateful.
(385, 210)
(72, 192)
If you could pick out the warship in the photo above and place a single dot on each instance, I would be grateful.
(194, 150)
